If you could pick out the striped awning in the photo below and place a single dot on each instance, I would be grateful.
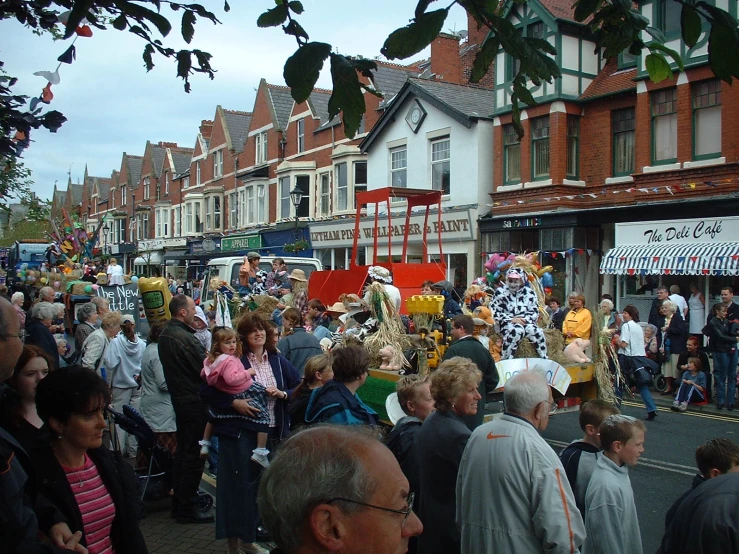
(720, 258)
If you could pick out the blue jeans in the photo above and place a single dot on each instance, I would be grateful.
(724, 370)
(646, 396)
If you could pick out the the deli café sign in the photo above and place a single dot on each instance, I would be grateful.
(454, 226)
(678, 231)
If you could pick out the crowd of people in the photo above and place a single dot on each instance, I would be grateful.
(277, 396)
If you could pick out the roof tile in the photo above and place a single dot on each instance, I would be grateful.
(238, 128)
(282, 103)
(473, 102)
(610, 81)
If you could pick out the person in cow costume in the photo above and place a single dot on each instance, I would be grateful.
(516, 310)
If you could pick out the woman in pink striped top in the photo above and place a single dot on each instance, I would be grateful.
(93, 487)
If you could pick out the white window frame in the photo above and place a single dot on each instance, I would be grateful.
(233, 210)
(301, 135)
(261, 203)
(166, 182)
(250, 206)
(284, 201)
(188, 218)
(242, 207)
(341, 206)
(123, 196)
(208, 214)
(218, 164)
(217, 213)
(147, 188)
(261, 147)
(396, 169)
(186, 182)
(197, 173)
(197, 212)
(177, 229)
(437, 184)
(324, 194)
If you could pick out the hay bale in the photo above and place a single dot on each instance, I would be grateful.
(265, 303)
(78, 287)
(555, 347)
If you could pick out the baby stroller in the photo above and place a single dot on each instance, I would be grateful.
(156, 479)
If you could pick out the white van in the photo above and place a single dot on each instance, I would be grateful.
(227, 269)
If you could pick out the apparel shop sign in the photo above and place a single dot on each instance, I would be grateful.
(454, 226)
(678, 231)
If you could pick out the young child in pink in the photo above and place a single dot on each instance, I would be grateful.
(223, 370)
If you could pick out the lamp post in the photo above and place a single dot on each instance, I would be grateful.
(106, 230)
(296, 197)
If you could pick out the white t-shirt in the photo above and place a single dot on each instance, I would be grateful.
(115, 274)
(682, 305)
(632, 333)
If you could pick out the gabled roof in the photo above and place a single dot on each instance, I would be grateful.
(157, 158)
(282, 104)
(76, 192)
(390, 78)
(134, 165)
(560, 9)
(318, 103)
(237, 124)
(59, 197)
(181, 159)
(463, 103)
(103, 188)
(610, 81)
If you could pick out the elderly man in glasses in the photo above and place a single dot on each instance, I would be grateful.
(516, 309)
(351, 497)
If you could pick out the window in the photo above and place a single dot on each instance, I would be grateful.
(121, 228)
(112, 201)
(233, 211)
(261, 203)
(440, 166)
(623, 125)
(303, 183)
(540, 147)
(208, 214)
(250, 205)
(573, 146)
(626, 59)
(147, 188)
(669, 17)
(162, 222)
(360, 176)
(198, 214)
(511, 155)
(197, 173)
(301, 135)
(123, 195)
(158, 223)
(513, 65)
(261, 149)
(188, 219)
(178, 220)
(217, 164)
(284, 197)
(216, 212)
(186, 182)
(398, 168)
(342, 186)
(664, 126)
(142, 227)
(166, 183)
(707, 119)
(324, 202)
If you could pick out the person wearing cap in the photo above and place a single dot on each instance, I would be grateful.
(379, 274)
(516, 310)
(451, 306)
(251, 278)
(123, 364)
(202, 329)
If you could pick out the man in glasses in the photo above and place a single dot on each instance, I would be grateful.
(516, 310)
(351, 496)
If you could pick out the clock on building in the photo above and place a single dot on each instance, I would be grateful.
(415, 116)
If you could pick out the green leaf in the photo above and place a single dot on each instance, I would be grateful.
(669, 51)
(585, 8)
(657, 67)
(484, 58)
(347, 96)
(365, 67)
(720, 42)
(302, 69)
(411, 39)
(142, 14)
(188, 25)
(274, 17)
(690, 23)
(120, 22)
(421, 7)
(296, 6)
(296, 29)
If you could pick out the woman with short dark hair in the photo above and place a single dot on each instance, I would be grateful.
(38, 330)
(87, 315)
(337, 401)
(93, 487)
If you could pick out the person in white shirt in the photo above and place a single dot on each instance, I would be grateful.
(115, 273)
(677, 298)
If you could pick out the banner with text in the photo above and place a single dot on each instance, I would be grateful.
(678, 231)
(124, 299)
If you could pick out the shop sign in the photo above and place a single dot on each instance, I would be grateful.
(158, 244)
(241, 242)
(205, 246)
(678, 231)
(454, 226)
(522, 223)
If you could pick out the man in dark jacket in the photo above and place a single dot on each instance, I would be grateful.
(182, 356)
(22, 511)
(467, 346)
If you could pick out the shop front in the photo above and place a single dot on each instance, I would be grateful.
(699, 254)
(332, 242)
(151, 256)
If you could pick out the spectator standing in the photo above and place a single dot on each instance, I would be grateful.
(318, 372)
(299, 288)
(96, 344)
(298, 346)
(507, 459)
(87, 316)
(610, 512)
(17, 300)
(674, 337)
(557, 313)
(696, 311)
(441, 442)
(115, 273)
(102, 305)
(580, 457)
(677, 298)
(723, 346)
(123, 364)
(656, 317)
(38, 333)
(467, 346)
(182, 356)
(156, 402)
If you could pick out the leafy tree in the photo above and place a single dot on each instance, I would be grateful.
(15, 180)
(26, 230)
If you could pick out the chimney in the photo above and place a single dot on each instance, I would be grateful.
(445, 63)
(475, 35)
(168, 144)
(206, 128)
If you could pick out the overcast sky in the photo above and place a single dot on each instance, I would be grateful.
(113, 105)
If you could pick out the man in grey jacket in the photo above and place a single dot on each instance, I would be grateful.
(182, 356)
(512, 492)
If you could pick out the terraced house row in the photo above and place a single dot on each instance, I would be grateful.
(604, 146)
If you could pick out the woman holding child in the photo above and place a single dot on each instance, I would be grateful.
(236, 504)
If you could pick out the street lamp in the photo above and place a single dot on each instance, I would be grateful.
(106, 230)
(296, 197)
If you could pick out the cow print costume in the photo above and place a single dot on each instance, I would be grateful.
(507, 305)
